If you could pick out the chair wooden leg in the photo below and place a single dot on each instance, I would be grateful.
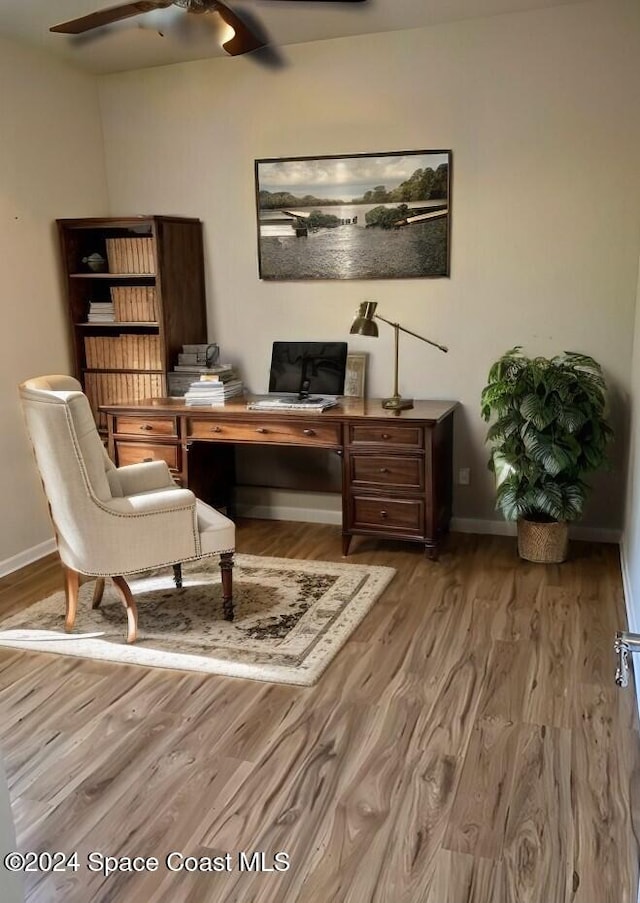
(226, 568)
(71, 587)
(98, 591)
(129, 602)
(177, 575)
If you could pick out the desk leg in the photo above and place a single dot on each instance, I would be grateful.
(431, 550)
(346, 542)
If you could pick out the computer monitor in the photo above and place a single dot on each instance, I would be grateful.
(308, 368)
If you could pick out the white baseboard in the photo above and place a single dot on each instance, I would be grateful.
(22, 559)
(508, 528)
(292, 513)
(324, 515)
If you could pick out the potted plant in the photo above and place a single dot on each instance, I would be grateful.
(549, 430)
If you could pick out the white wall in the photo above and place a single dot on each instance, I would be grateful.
(51, 165)
(541, 112)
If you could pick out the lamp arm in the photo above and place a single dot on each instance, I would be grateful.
(409, 332)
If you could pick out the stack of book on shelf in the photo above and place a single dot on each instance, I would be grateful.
(123, 352)
(131, 255)
(107, 388)
(209, 390)
(101, 312)
(135, 303)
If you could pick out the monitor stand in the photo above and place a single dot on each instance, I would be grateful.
(303, 392)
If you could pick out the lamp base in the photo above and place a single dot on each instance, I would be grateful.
(397, 403)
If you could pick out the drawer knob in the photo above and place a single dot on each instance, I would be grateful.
(309, 432)
(386, 436)
(384, 470)
(384, 514)
(262, 429)
(216, 429)
(146, 426)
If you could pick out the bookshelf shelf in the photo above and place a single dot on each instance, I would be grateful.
(113, 276)
(121, 370)
(158, 311)
(120, 324)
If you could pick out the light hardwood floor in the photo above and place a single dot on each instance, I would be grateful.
(467, 745)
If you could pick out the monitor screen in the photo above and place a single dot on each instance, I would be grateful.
(308, 368)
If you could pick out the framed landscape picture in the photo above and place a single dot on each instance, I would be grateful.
(367, 216)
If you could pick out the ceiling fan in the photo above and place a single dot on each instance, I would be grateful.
(243, 40)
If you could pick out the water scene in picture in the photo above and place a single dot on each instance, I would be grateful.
(371, 216)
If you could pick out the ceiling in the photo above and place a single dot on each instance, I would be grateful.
(172, 35)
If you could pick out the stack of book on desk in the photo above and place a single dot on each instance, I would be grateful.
(193, 362)
(210, 389)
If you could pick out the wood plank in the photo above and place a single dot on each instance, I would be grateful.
(538, 844)
(460, 877)
(479, 812)
(605, 804)
(554, 661)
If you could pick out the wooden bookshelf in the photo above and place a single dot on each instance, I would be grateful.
(153, 274)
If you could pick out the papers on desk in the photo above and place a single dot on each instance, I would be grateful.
(291, 404)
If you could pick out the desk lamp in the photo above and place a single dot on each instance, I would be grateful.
(364, 324)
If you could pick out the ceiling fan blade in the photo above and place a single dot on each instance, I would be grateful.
(107, 16)
(243, 39)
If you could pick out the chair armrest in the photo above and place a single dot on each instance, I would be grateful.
(144, 477)
(159, 502)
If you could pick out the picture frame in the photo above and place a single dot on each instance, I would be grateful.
(362, 216)
(356, 374)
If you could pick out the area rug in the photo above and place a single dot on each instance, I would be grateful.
(291, 618)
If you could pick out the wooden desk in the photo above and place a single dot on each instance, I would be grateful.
(396, 467)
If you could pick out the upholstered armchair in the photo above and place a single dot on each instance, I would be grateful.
(114, 521)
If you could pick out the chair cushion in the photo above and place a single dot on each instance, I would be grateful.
(217, 532)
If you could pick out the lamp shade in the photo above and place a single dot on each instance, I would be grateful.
(364, 324)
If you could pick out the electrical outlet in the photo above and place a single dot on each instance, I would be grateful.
(464, 476)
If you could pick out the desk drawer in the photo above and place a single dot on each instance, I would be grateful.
(409, 435)
(146, 426)
(135, 452)
(385, 514)
(400, 471)
(298, 432)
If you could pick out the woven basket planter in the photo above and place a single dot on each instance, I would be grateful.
(543, 542)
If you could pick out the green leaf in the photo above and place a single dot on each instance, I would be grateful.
(537, 410)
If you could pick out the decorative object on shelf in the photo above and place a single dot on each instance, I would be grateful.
(95, 262)
(202, 355)
(365, 216)
(364, 324)
(550, 430)
(355, 377)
